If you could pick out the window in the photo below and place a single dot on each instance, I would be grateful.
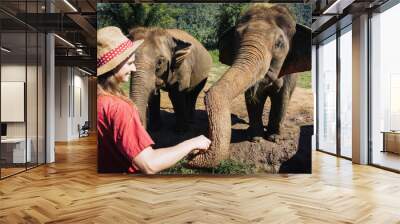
(327, 95)
(385, 88)
(346, 95)
(330, 80)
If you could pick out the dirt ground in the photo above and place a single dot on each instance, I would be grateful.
(264, 156)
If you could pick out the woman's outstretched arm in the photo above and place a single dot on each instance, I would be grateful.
(152, 161)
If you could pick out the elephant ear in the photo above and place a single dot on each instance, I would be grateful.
(226, 43)
(181, 50)
(299, 56)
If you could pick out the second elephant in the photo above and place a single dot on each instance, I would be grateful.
(172, 60)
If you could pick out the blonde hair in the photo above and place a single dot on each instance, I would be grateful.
(108, 85)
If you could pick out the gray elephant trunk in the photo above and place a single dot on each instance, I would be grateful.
(250, 65)
(141, 88)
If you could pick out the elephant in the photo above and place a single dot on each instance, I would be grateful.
(264, 47)
(172, 60)
(280, 93)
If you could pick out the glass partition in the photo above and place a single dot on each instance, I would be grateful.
(327, 95)
(22, 78)
(14, 153)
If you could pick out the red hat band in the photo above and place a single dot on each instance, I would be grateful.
(104, 59)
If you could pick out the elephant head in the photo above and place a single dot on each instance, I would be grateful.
(156, 59)
(265, 45)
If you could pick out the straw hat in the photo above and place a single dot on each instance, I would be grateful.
(113, 47)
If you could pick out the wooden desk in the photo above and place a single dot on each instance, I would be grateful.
(391, 141)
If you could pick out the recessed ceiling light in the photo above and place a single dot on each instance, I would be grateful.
(86, 72)
(70, 5)
(338, 6)
(64, 40)
(5, 50)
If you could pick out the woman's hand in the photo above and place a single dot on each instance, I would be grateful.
(198, 144)
(152, 161)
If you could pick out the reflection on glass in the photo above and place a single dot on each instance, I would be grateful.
(31, 97)
(22, 90)
(327, 96)
(13, 84)
(346, 93)
(385, 84)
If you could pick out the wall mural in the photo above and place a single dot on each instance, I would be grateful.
(239, 74)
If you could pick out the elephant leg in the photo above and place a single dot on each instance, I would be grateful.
(279, 104)
(255, 99)
(218, 103)
(276, 115)
(178, 100)
(154, 112)
(192, 98)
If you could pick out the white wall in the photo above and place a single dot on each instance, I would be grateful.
(71, 93)
(12, 73)
(80, 100)
(15, 73)
(61, 103)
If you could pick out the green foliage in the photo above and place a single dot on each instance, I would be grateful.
(125, 87)
(180, 168)
(215, 56)
(228, 14)
(217, 70)
(127, 15)
(199, 20)
(205, 21)
(302, 12)
(304, 80)
(225, 167)
(233, 167)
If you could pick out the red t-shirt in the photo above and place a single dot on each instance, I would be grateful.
(121, 135)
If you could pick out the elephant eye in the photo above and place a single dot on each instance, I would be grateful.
(159, 63)
(279, 44)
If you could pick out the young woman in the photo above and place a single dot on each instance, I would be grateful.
(123, 143)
